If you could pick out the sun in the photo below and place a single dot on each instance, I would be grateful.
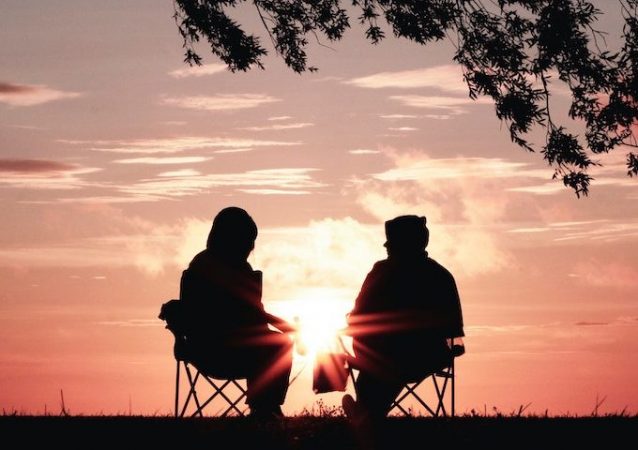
(320, 320)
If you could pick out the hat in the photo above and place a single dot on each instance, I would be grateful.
(407, 231)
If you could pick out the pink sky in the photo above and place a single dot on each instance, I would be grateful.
(115, 156)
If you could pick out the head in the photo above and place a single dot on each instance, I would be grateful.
(406, 235)
(233, 233)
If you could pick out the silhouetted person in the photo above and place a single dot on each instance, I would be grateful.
(407, 309)
(230, 337)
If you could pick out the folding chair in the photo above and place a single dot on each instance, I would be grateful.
(442, 388)
(214, 387)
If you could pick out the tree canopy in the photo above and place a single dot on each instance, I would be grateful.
(509, 50)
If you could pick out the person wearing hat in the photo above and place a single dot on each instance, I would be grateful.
(230, 337)
(407, 309)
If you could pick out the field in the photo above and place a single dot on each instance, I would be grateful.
(308, 432)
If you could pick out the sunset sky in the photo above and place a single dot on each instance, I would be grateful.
(115, 156)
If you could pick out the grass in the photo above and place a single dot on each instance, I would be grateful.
(322, 432)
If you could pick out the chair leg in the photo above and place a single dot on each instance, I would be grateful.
(440, 394)
(177, 388)
(192, 393)
(453, 400)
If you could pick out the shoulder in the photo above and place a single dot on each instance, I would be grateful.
(199, 259)
(380, 266)
(438, 270)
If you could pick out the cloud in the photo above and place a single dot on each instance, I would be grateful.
(132, 323)
(327, 253)
(180, 183)
(274, 192)
(590, 324)
(102, 200)
(43, 174)
(34, 166)
(31, 94)
(448, 78)
(180, 173)
(603, 230)
(198, 71)
(403, 129)
(163, 161)
(221, 102)
(178, 144)
(276, 127)
(363, 151)
(612, 173)
(454, 105)
(464, 199)
(398, 116)
(605, 274)
(419, 167)
(280, 118)
(606, 231)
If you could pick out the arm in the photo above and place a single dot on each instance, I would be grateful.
(279, 323)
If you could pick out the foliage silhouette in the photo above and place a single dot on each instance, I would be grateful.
(509, 50)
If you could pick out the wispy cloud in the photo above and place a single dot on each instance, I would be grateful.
(604, 230)
(403, 129)
(179, 183)
(31, 94)
(277, 127)
(43, 174)
(606, 274)
(221, 102)
(102, 200)
(34, 166)
(612, 173)
(163, 161)
(178, 144)
(454, 105)
(448, 78)
(398, 116)
(276, 118)
(180, 173)
(427, 169)
(198, 71)
(363, 151)
(132, 323)
(274, 192)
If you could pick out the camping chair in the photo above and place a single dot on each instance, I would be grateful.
(217, 388)
(442, 386)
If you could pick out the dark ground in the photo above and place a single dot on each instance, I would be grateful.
(473, 433)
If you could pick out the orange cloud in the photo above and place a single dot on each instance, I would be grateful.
(198, 71)
(454, 105)
(278, 127)
(34, 166)
(31, 94)
(293, 181)
(43, 174)
(178, 144)
(162, 161)
(447, 78)
(221, 102)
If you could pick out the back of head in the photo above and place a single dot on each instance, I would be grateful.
(233, 233)
(406, 235)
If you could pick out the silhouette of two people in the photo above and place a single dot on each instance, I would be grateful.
(230, 337)
(406, 312)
